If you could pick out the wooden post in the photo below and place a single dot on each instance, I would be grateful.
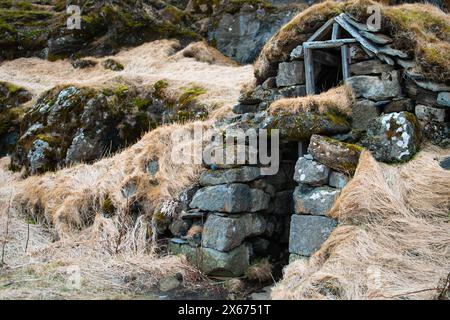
(336, 31)
(345, 52)
(309, 71)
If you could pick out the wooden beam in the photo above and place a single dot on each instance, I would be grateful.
(341, 19)
(327, 44)
(319, 34)
(345, 52)
(336, 31)
(325, 58)
(309, 72)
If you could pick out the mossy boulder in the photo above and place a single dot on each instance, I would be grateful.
(302, 124)
(79, 124)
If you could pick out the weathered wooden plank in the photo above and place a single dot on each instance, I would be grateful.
(320, 33)
(309, 71)
(345, 61)
(354, 32)
(336, 31)
(327, 43)
(325, 58)
(393, 52)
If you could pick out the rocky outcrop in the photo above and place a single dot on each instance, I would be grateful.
(78, 124)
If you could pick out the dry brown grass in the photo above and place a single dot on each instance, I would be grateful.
(420, 29)
(340, 98)
(202, 52)
(393, 240)
(80, 217)
(73, 198)
(260, 271)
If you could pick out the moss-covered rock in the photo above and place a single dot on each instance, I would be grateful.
(75, 124)
(302, 124)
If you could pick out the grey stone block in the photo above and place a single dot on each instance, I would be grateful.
(232, 198)
(308, 233)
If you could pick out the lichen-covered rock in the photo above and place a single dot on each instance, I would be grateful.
(437, 133)
(232, 198)
(340, 156)
(426, 113)
(314, 201)
(394, 137)
(40, 156)
(338, 180)
(308, 233)
(376, 88)
(241, 174)
(310, 172)
(226, 233)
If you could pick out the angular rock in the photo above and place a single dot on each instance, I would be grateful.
(363, 113)
(270, 83)
(443, 99)
(399, 105)
(426, 113)
(38, 156)
(213, 262)
(314, 201)
(308, 233)
(180, 227)
(375, 88)
(290, 73)
(259, 200)
(112, 65)
(340, 156)
(226, 233)
(438, 133)
(310, 172)
(231, 198)
(394, 137)
(245, 108)
(242, 174)
(338, 180)
(374, 66)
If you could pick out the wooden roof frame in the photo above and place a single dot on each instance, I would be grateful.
(335, 25)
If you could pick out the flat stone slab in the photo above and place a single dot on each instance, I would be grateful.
(315, 201)
(308, 233)
(376, 88)
(242, 174)
(231, 198)
(311, 172)
(290, 73)
(426, 113)
(227, 233)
